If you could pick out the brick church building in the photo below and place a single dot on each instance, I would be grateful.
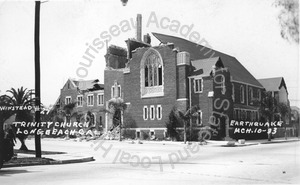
(152, 80)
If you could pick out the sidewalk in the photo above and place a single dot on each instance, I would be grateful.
(28, 159)
(251, 142)
(214, 142)
(23, 159)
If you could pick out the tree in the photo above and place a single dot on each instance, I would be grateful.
(172, 125)
(268, 108)
(289, 19)
(4, 115)
(284, 111)
(68, 111)
(117, 108)
(185, 117)
(20, 97)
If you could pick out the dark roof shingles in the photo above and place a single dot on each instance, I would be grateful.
(237, 70)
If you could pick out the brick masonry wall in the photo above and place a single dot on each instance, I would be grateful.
(115, 61)
(132, 90)
(202, 99)
(95, 109)
(182, 81)
(110, 76)
(248, 101)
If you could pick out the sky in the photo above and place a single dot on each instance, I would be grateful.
(246, 29)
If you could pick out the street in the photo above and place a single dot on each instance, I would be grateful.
(162, 163)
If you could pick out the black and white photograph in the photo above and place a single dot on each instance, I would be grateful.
(147, 92)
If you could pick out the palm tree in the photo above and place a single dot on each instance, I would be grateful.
(185, 117)
(21, 97)
(68, 111)
(4, 115)
(117, 108)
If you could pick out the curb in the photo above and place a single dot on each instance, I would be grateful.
(285, 141)
(68, 161)
(250, 144)
(240, 145)
(225, 145)
(54, 162)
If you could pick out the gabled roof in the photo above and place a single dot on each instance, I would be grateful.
(204, 66)
(295, 108)
(237, 70)
(273, 84)
(87, 84)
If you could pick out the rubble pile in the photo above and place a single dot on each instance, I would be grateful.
(114, 134)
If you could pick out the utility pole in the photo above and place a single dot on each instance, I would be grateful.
(38, 152)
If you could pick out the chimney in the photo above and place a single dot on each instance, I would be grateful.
(147, 39)
(139, 27)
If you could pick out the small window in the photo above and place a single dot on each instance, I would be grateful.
(79, 101)
(233, 95)
(119, 91)
(244, 115)
(100, 121)
(198, 85)
(68, 100)
(145, 113)
(152, 112)
(253, 115)
(199, 118)
(250, 94)
(90, 101)
(159, 112)
(112, 91)
(138, 134)
(116, 91)
(238, 114)
(258, 94)
(100, 99)
(242, 94)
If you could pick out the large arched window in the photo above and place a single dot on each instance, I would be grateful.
(151, 74)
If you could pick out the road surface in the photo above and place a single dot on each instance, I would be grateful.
(163, 163)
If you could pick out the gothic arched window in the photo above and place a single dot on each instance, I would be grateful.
(151, 74)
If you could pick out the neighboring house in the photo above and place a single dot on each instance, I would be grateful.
(88, 96)
(279, 91)
(295, 119)
(179, 73)
(295, 114)
(278, 88)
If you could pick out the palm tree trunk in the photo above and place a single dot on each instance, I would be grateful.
(184, 134)
(23, 146)
(269, 133)
(120, 126)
